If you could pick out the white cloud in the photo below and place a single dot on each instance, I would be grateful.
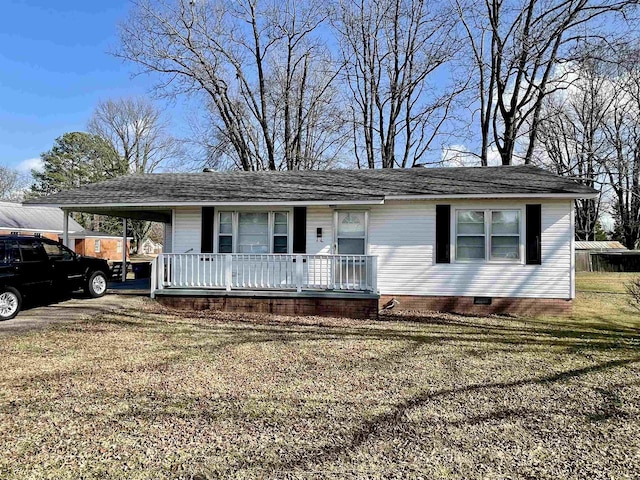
(461, 156)
(29, 164)
(458, 156)
(493, 156)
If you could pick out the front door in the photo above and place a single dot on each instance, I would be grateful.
(351, 231)
(351, 239)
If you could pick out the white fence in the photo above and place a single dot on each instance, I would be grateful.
(264, 272)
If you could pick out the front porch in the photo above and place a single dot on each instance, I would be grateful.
(336, 285)
(264, 272)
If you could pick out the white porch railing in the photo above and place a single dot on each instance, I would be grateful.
(264, 272)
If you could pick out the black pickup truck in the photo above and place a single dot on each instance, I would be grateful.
(33, 266)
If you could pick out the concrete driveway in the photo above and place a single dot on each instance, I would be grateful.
(68, 310)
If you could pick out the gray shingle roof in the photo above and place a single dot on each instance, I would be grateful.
(14, 216)
(324, 185)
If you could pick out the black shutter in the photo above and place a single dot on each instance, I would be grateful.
(443, 233)
(533, 235)
(206, 239)
(299, 229)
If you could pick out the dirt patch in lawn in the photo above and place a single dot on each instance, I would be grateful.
(149, 393)
(42, 313)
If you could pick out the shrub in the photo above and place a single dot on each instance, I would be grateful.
(633, 289)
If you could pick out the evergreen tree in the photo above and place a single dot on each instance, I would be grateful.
(601, 235)
(76, 159)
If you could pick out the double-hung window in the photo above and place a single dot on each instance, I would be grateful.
(253, 232)
(280, 232)
(486, 235)
(225, 233)
(470, 235)
(505, 235)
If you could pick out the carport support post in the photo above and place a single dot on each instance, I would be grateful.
(65, 228)
(125, 247)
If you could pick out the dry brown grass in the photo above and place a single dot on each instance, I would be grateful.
(146, 393)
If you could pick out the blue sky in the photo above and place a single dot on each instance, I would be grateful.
(54, 68)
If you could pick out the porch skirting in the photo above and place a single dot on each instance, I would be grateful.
(327, 304)
(529, 307)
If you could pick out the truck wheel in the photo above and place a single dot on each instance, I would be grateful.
(96, 285)
(10, 303)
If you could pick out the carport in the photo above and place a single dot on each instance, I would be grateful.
(126, 213)
(150, 197)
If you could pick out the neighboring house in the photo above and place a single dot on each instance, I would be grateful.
(43, 221)
(479, 240)
(149, 247)
(48, 222)
(99, 244)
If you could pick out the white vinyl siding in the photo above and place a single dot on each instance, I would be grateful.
(168, 237)
(402, 235)
(319, 217)
(186, 229)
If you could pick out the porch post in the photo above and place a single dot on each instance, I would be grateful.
(65, 228)
(124, 249)
(154, 277)
(228, 272)
(374, 274)
(299, 273)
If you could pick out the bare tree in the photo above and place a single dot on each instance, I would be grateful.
(572, 139)
(136, 129)
(12, 184)
(238, 53)
(392, 51)
(591, 132)
(623, 132)
(515, 48)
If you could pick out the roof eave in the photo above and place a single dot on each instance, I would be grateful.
(372, 201)
(571, 196)
(71, 206)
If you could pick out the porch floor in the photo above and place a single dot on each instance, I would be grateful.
(257, 293)
(139, 286)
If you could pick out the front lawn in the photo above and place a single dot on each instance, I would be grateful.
(148, 394)
(610, 282)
